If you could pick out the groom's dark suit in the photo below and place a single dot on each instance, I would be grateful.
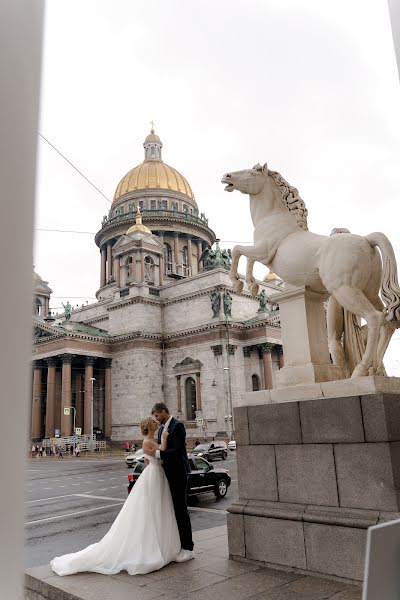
(176, 467)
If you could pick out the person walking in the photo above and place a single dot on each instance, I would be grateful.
(77, 450)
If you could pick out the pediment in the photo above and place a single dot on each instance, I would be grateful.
(189, 363)
(40, 332)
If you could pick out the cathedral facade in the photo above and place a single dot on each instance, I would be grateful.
(167, 325)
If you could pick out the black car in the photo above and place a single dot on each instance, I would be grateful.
(212, 450)
(202, 477)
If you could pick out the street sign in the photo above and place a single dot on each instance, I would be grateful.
(78, 430)
(200, 421)
(67, 411)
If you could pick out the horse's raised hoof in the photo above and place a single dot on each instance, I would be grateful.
(360, 371)
(238, 286)
(253, 288)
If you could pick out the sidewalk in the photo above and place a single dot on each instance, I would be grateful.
(211, 576)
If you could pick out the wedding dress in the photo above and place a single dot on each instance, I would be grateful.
(143, 538)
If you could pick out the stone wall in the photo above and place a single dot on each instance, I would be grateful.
(313, 476)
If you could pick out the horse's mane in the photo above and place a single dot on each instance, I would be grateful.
(291, 199)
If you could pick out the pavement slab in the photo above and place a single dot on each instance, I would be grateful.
(210, 576)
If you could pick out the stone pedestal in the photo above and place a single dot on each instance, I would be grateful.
(313, 476)
(304, 339)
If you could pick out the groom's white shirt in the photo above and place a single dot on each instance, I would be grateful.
(166, 425)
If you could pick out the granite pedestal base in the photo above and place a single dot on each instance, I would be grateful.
(313, 476)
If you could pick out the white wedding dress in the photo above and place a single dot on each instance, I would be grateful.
(143, 538)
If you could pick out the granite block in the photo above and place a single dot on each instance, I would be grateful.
(334, 550)
(381, 415)
(257, 473)
(304, 588)
(274, 424)
(331, 420)
(241, 426)
(236, 541)
(275, 510)
(364, 476)
(306, 474)
(275, 541)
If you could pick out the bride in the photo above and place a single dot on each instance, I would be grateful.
(144, 537)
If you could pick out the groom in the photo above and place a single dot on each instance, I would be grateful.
(176, 468)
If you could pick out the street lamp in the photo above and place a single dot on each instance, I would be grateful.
(92, 379)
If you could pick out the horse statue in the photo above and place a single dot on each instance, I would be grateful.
(348, 269)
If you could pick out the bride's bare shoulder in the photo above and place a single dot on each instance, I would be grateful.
(149, 445)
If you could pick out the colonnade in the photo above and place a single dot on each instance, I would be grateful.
(67, 382)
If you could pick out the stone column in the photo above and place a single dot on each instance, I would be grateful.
(109, 262)
(281, 361)
(51, 396)
(87, 406)
(134, 269)
(160, 269)
(102, 267)
(178, 394)
(199, 253)
(36, 396)
(189, 251)
(79, 400)
(142, 278)
(117, 271)
(66, 396)
(198, 392)
(265, 351)
(176, 250)
(108, 398)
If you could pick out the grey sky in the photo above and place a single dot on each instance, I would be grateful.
(310, 87)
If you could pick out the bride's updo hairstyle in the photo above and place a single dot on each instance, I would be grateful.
(145, 425)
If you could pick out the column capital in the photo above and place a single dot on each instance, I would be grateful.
(176, 234)
(265, 348)
(178, 377)
(90, 360)
(107, 363)
(67, 358)
(247, 351)
(231, 348)
(38, 364)
(217, 350)
(51, 361)
(278, 349)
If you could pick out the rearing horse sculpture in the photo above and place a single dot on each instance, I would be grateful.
(346, 267)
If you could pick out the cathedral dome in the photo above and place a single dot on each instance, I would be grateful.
(153, 173)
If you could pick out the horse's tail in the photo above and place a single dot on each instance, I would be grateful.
(390, 290)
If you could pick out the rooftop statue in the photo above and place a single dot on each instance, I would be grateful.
(345, 267)
(212, 259)
(67, 310)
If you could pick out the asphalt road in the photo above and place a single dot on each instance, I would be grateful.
(72, 503)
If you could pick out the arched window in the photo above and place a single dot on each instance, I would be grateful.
(37, 307)
(148, 269)
(128, 268)
(255, 380)
(168, 258)
(190, 395)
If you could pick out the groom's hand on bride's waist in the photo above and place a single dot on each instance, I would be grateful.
(150, 452)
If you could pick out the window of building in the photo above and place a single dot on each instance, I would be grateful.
(185, 208)
(168, 258)
(141, 204)
(255, 380)
(190, 395)
(122, 210)
(148, 269)
(38, 307)
(131, 208)
(128, 267)
(163, 205)
(153, 204)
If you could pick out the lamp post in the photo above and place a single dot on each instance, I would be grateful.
(92, 379)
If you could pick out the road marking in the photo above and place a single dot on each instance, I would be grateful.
(100, 497)
(81, 512)
(214, 510)
(53, 498)
(46, 488)
(61, 486)
(102, 489)
(75, 484)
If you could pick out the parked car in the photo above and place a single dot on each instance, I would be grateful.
(132, 456)
(203, 477)
(211, 450)
(232, 445)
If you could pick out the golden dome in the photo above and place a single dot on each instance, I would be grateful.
(153, 173)
(272, 277)
(36, 277)
(138, 226)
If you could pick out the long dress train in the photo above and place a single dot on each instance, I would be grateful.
(143, 538)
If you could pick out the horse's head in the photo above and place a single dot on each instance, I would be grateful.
(249, 181)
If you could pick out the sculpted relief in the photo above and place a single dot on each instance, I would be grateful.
(357, 273)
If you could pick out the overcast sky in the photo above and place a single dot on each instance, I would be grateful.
(308, 86)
